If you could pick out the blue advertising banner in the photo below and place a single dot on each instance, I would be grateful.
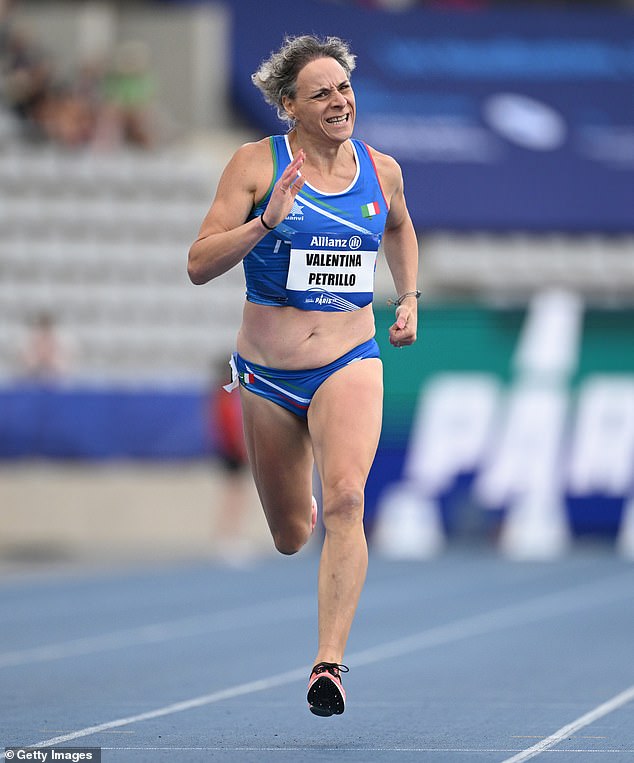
(505, 119)
(78, 422)
(460, 424)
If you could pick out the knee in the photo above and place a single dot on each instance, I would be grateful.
(343, 505)
(290, 540)
(286, 546)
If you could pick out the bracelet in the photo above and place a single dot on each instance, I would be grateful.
(268, 227)
(399, 301)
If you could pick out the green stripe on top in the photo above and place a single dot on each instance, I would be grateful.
(324, 205)
(269, 190)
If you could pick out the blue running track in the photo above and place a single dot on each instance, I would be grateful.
(468, 657)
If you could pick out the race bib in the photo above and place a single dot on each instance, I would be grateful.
(331, 273)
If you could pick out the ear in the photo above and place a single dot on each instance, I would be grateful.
(287, 105)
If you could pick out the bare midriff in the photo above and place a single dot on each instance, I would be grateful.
(288, 338)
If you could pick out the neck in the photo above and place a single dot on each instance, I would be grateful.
(322, 155)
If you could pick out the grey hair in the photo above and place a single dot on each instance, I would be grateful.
(277, 75)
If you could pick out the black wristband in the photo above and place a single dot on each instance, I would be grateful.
(268, 227)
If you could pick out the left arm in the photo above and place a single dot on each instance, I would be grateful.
(400, 246)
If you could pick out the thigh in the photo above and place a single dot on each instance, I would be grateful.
(281, 458)
(345, 423)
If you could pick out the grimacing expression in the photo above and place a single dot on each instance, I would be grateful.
(324, 99)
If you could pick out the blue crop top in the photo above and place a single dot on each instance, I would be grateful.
(323, 255)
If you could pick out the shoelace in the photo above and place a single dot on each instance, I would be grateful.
(330, 667)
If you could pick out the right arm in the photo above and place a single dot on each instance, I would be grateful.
(225, 237)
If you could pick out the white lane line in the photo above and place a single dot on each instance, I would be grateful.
(279, 610)
(322, 749)
(620, 700)
(539, 608)
(154, 633)
(179, 707)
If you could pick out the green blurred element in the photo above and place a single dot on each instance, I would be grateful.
(451, 338)
(608, 343)
(474, 338)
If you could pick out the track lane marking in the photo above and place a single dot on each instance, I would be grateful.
(349, 749)
(154, 633)
(533, 610)
(279, 610)
(618, 701)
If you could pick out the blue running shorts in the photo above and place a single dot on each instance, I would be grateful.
(292, 390)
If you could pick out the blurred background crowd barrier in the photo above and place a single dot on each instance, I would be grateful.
(510, 424)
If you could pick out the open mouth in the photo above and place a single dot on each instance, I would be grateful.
(340, 120)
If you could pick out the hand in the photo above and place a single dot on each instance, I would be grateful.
(284, 191)
(403, 330)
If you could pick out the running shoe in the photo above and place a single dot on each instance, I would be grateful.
(326, 695)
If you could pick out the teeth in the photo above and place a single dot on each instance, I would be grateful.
(337, 120)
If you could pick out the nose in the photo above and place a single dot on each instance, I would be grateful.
(339, 98)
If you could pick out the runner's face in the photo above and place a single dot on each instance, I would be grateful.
(324, 100)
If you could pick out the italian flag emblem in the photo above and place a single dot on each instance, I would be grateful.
(371, 209)
(247, 378)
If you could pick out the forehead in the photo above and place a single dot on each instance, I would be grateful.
(322, 72)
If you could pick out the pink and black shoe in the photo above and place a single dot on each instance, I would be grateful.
(326, 695)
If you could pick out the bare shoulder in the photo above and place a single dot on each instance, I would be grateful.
(251, 166)
(254, 151)
(389, 171)
(391, 178)
(244, 181)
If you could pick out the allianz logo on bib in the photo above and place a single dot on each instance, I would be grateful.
(354, 242)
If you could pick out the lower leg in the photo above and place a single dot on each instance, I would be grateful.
(342, 572)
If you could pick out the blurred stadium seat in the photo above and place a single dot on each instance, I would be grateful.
(101, 242)
(99, 239)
